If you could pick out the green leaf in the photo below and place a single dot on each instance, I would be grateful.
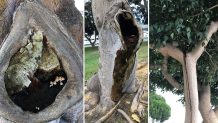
(166, 38)
(164, 42)
(172, 35)
(188, 29)
(188, 35)
(178, 30)
(189, 40)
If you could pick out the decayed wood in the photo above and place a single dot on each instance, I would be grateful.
(32, 14)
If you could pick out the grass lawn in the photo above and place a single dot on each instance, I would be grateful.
(91, 58)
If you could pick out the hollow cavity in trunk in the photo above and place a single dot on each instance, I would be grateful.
(47, 77)
(130, 35)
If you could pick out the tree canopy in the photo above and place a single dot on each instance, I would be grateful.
(158, 108)
(89, 23)
(183, 24)
(139, 10)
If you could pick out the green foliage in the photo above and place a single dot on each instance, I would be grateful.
(89, 22)
(185, 22)
(158, 108)
(139, 11)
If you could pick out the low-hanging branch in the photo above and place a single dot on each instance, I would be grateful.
(170, 79)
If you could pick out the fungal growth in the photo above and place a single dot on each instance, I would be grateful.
(30, 73)
(125, 59)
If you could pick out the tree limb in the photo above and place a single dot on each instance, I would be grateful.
(204, 11)
(170, 79)
(170, 50)
(212, 28)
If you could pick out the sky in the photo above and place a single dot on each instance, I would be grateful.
(177, 109)
(79, 5)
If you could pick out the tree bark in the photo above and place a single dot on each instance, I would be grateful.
(31, 14)
(191, 90)
(115, 61)
(120, 37)
(205, 108)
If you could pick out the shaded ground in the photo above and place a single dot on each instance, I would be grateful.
(142, 76)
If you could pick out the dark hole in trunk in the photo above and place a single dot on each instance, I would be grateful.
(130, 35)
(39, 94)
(128, 30)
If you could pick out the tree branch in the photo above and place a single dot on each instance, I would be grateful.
(170, 50)
(204, 11)
(212, 28)
(170, 79)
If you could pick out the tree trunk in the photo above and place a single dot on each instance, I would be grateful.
(190, 88)
(120, 37)
(32, 15)
(205, 108)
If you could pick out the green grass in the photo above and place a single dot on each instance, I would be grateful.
(91, 61)
(143, 51)
(91, 58)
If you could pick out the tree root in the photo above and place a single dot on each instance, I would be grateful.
(141, 109)
(144, 102)
(125, 115)
(91, 100)
(111, 111)
(137, 97)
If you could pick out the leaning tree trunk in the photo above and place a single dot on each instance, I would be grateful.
(39, 48)
(120, 37)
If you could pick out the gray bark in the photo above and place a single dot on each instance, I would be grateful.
(120, 37)
(32, 14)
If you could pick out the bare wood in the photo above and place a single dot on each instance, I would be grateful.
(125, 115)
